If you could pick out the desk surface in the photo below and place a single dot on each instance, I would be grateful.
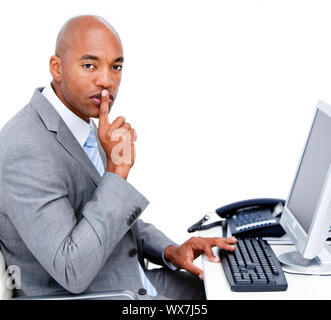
(299, 286)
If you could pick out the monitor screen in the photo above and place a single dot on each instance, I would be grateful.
(312, 171)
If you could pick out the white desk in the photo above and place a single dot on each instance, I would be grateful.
(299, 286)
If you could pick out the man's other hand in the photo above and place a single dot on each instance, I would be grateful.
(182, 256)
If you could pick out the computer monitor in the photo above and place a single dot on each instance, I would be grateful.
(306, 216)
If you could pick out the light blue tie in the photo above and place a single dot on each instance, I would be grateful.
(91, 149)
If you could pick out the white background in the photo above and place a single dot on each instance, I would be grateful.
(221, 93)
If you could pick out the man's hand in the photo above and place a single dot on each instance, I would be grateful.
(182, 256)
(117, 140)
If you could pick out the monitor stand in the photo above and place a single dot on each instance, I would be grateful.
(293, 262)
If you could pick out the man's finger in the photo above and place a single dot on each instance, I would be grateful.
(209, 253)
(126, 126)
(118, 122)
(190, 267)
(226, 243)
(217, 240)
(104, 109)
(133, 135)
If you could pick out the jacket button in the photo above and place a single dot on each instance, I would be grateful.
(131, 220)
(138, 211)
(132, 252)
(142, 291)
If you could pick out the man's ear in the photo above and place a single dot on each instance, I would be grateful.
(55, 67)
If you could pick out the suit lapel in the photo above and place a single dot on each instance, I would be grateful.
(54, 123)
(69, 143)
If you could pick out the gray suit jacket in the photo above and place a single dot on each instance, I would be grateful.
(65, 227)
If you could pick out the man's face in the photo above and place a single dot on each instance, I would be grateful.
(92, 62)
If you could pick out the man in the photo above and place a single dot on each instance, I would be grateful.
(68, 216)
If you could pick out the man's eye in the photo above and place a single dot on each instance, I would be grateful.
(117, 67)
(88, 66)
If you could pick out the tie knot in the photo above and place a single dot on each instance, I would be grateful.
(91, 140)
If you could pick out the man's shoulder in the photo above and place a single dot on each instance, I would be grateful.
(25, 127)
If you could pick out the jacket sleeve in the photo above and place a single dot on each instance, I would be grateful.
(153, 242)
(71, 251)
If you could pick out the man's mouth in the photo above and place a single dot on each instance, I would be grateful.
(96, 99)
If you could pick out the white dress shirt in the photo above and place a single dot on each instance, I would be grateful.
(78, 127)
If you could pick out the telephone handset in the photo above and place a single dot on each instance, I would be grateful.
(253, 218)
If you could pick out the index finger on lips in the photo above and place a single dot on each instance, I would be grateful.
(104, 109)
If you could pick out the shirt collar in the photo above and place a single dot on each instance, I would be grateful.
(78, 127)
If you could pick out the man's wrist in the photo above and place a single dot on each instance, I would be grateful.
(110, 167)
(168, 263)
(169, 253)
(122, 173)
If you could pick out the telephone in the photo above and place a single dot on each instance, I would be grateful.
(253, 218)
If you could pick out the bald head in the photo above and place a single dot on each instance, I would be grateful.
(76, 27)
(87, 60)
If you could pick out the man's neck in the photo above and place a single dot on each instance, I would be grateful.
(57, 89)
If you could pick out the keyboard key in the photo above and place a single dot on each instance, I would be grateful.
(247, 277)
(235, 269)
(275, 271)
(243, 270)
(251, 265)
(243, 281)
(260, 281)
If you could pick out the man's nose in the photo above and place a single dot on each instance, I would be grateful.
(104, 79)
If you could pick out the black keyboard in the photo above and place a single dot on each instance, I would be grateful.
(253, 266)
